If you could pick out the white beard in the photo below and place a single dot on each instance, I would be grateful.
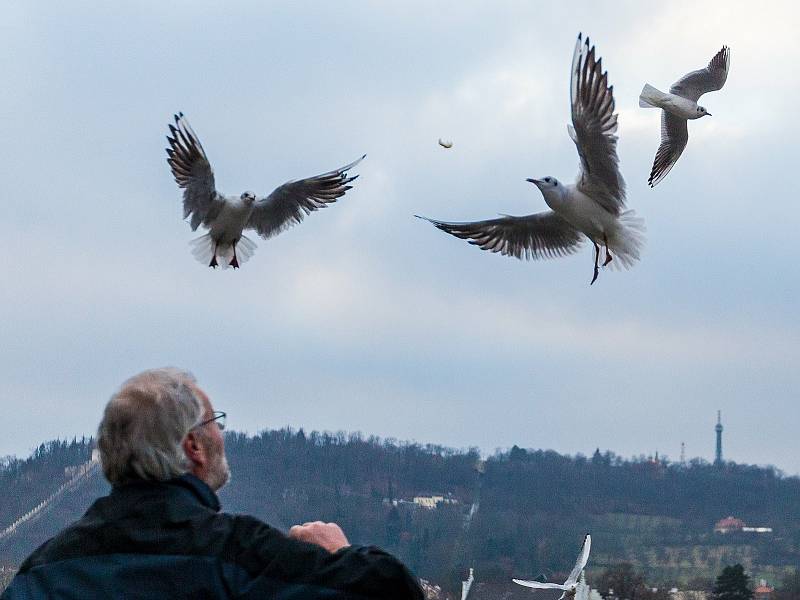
(220, 474)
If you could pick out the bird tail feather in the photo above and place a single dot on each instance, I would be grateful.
(627, 242)
(650, 97)
(203, 250)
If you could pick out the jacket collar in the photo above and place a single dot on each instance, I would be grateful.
(195, 486)
(200, 489)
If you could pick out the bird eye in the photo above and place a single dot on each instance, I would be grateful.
(547, 179)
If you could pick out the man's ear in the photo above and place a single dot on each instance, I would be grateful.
(194, 449)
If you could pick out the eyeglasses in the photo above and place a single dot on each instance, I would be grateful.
(219, 418)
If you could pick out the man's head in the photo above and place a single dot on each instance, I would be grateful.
(160, 425)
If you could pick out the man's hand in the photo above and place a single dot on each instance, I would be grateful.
(328, 535)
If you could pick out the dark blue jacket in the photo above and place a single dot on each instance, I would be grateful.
(149, 540)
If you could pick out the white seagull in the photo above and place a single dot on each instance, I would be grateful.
(570, 586)
(592, 207)
(679, 106)
(226, 217)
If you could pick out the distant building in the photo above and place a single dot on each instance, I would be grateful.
(763, 591)
(731, 524)
(677, 594)
(718, 429)
(434, 500)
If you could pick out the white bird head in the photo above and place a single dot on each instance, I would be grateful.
(549, 186)
(248, 197)
(702, 112)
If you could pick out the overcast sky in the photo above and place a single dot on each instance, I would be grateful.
(364, 318)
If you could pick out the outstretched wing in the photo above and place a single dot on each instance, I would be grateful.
(542, 235)
(594, 126)
(712, 78)
(193, 173)
(674, 136)
(289, 203)
(539, 585)
(580, 564)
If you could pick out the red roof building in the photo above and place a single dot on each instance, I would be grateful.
(763, 591)
(729, 524)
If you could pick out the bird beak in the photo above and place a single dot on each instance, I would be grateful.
(708, 113)
(534, 181)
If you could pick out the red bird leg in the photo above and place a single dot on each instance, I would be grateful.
(608, 252)
(234, 261)
(213, 264)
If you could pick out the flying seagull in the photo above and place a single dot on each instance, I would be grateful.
(592, 207)
(444, 144)
(570, 586)
(679, 106)
(226, 217)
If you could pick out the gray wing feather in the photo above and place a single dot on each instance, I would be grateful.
(289, 203)
(580, 564)
(674, 137)
(594, 127)
(539, 585)
(542, 235)
(193, 173)
(712, 78)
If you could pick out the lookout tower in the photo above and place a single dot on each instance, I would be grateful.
(718, 429)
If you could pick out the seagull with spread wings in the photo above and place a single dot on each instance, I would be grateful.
(593, 207)
(680, 105)
(226, 217)
(570, 586)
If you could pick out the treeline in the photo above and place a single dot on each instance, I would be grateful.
(534, 506)
(26, 482)
(697, 492)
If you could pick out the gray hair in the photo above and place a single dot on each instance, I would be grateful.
(144, 425)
